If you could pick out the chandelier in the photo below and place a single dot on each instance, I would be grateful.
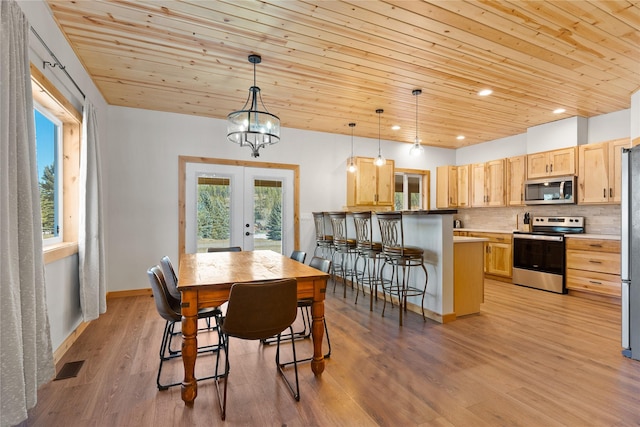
(251, 127)
(416, 149)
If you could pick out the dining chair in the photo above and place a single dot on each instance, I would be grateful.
(165, 305)
(255, 311)
(402, 259)
(305, 312)
(225, 249)
(175, 296)
(323, 265)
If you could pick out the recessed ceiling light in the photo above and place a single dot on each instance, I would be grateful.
(559, 111)
(395, 127)
(485, 92)
(460, 137)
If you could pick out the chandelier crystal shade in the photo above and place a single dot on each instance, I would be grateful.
(416, 149)
(379, 161)
(253, 127)
(352, 166)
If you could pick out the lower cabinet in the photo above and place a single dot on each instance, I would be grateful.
(593, 266)
(498, 253)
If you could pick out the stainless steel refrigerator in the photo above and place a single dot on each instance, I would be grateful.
(630, 256)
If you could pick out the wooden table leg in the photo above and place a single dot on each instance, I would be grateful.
(317, 312)
(189, 345)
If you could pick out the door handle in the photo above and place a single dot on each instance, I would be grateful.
(247, 234)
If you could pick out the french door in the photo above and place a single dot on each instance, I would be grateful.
(227, 205)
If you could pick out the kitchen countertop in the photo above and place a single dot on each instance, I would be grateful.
(576, 236)
(484, 230)
(594, 236)
(465, 239)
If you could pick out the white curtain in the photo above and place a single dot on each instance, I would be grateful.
(91, 235)
(25, 341)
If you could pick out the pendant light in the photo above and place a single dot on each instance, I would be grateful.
(416, 149)
(352, 166)
(251, 127)
(379, 161)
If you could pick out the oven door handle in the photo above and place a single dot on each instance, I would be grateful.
(539, 237)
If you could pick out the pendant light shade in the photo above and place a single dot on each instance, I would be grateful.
(379, 161)
(416, 149)
(351, 167)
(252, 127)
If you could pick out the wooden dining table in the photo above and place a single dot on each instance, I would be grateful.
(205, 279)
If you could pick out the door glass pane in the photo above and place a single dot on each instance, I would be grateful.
(214, 211)
(267, 208)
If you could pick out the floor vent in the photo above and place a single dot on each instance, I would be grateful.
(69, 370)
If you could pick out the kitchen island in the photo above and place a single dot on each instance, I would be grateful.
(433, 232)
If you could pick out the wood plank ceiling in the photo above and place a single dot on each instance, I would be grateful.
(327, 63)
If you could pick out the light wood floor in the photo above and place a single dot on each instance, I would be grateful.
(530, 358)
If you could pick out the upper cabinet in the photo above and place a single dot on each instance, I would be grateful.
(370, 185)
(487, 184)
(447, 187)
(552, 163)
(452, 189)
(599, 172)
(464, 181)
(516, 176)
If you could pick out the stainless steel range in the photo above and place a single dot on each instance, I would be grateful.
(539, 255)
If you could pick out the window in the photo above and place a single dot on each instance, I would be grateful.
(48, 152)
(58, 125)
(411, 190)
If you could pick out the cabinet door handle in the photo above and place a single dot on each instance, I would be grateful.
(551, 168)
(604, 193)
(595, 245)
(501, 239)
(593, 261)
(595, 283)
(610, 192)
(546, 168)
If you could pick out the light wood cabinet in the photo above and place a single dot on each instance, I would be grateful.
(488, 184)
(446, 187)
(463, 178)
(370, 185)
(600, 172)
(498, 253)
(516, 176)
(468, 283)
(552, 163)
(593, 266)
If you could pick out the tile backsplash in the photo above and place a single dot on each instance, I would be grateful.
(599, 219)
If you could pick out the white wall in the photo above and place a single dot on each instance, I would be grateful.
(142, 204)
(609, 126)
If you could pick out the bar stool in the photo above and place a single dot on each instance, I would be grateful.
(343, 248)
(324, 241)
(402, 259)
(370, 253)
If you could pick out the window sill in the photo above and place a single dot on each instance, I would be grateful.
(61, 250)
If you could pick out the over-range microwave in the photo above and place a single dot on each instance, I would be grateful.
(556, 190)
